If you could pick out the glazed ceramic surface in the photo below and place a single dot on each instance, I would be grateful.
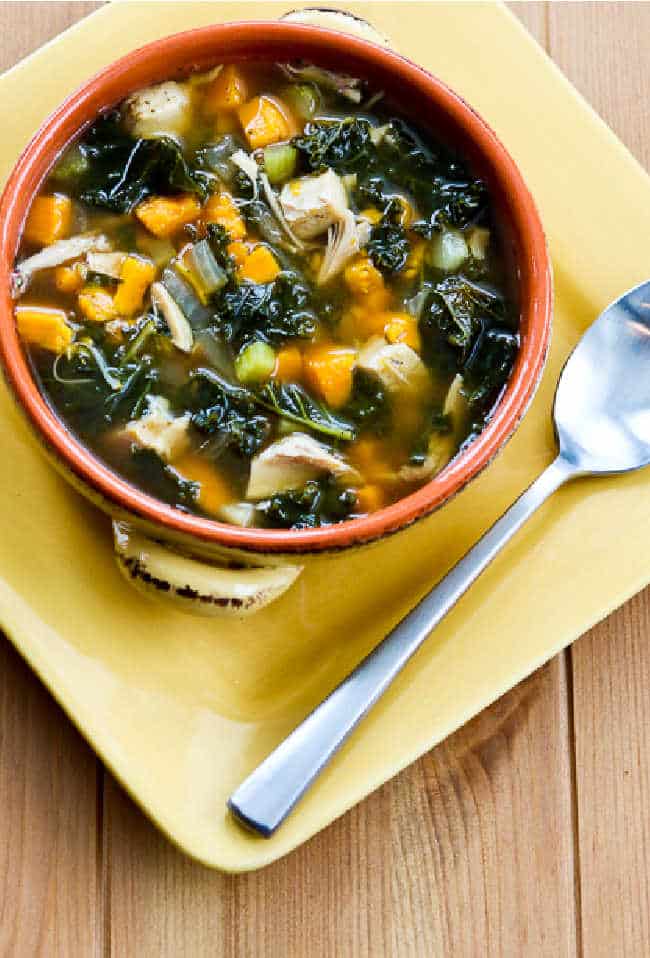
(183, 709)
(423, 98)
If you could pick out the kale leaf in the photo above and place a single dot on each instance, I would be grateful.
(466, 328)
(318, 503)
(275, 311)
(388, 246)
(341, 145)
(220, 408)
(121, 170)
(369, 404)
(294, 403)
(95, 392)
(219, 240)
(466, 304)
(489, 363)
(147, 468)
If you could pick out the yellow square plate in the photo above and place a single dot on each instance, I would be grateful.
(182, 709)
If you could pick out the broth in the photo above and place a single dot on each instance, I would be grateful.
(262, 296)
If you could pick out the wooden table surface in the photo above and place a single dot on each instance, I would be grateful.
(526, 833)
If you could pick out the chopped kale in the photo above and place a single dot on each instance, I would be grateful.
(389, 246)
(274, 311)
(120, 171)
(219, 240)
(466, 304)
(465, 328)
(218, 407)
(294, 403)
(344, 146)
(161, 480)
(489, 363)
(369, 405)
(318, 503)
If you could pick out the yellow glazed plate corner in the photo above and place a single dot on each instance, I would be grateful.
(183, 709)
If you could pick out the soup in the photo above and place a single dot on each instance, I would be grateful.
(262, 296)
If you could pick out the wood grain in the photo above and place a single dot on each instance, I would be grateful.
(49, 895)
(526, 833)
(468, 852)
(50, 781)
(604, 52)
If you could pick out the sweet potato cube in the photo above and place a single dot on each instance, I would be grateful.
(165, 215)
(227, 91)
(136, 276)
(44, 326)
(49, 219)
(288, 365)
(265, 120)
(260, 266)
(328, 372)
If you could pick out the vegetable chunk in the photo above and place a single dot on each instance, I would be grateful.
(44, 326)
(259, 266)
(49, 219)
(265, 120)
(136, 276)
(165, 215)
(227, 91)
(96, 304)
(157, 111)
(328, 372)
(221, 209)
(214, 492)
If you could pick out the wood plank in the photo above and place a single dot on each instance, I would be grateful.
(50, 900)
(467, 852)
(602, 49)
(27, 26)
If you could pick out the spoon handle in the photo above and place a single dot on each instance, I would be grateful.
(266, 797)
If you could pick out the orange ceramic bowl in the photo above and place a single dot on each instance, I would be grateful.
(420, 96)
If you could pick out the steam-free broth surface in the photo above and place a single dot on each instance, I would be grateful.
(263, 297)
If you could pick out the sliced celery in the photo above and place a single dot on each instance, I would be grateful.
(280, 162)
(255, 363)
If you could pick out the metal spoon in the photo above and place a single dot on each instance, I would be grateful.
(602, 424)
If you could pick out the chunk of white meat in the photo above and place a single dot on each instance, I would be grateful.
(108, 264)
(399, 367)
(276, 208)
(442, 446)
(291, 462)
(159, 430)
(179, 327)
(311, 204)
(156, 111)
(55, 255)
(344, 240)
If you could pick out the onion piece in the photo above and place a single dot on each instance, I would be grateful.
(180, 329)
(272, 199)
(247, 164)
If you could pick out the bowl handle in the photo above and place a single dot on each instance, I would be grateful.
(198, 586)
(339, 20)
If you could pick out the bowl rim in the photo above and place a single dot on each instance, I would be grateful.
(117, 494)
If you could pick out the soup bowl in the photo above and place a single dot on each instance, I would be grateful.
(205, 565)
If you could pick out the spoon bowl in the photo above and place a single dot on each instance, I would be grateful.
(602, 403)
